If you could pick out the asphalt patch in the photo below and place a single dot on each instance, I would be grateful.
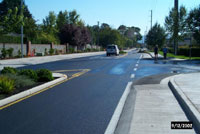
(153, 79)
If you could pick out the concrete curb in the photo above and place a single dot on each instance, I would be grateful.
(186, 104)
(33, 90)
(166, 80)
(150, 55)
(117, 113)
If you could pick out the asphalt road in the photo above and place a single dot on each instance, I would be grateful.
(85, 104)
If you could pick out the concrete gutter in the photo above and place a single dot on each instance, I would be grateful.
(118, 111)
(23, 94)
(185, 103)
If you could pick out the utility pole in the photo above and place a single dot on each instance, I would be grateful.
(22, 30)
(176, 25)
(151, 18)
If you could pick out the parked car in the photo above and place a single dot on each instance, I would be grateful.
(112, 49)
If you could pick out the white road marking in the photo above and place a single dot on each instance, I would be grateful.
(136, 65)
(141, 56)
(135, 69)
(116, 116)
(132, 76)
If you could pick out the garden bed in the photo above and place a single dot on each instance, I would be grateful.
(18, 90)
(13, 81)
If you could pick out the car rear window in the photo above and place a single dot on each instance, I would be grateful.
(111, 47)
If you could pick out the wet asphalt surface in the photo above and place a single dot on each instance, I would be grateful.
(85, 104)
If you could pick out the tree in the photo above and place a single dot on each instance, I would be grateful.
(49, 23)
(193, 21)
(105, 25)
(132, 33)
(6, 5)
(93, 34)
(74, 35)
(11, 18)
(62, 19)
(170, 23)
(122, 29)
(70, 34)
(48, 31)
(109, 36)
(85, 36)
(73, 17)
(156, 36)
(10, 21)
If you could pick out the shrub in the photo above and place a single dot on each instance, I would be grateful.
(44, 75)
(88, 50)
(45, 51)
(29, 73)
(51, 51)
(186, 51)
(9, 70)
(71, 50)
(39, 54)
(20, 81)
(94, 50)
(6, 85)
(4, 53)
(57, 52)
(19, 53)
(10, 52)
(79, 51)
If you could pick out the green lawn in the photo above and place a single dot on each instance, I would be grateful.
(179, 56)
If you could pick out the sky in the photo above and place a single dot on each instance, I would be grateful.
(113, 12)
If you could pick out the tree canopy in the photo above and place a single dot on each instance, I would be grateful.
(170, 23)
(74, 35)
(156, 36)
(194, 23)
(11, 18)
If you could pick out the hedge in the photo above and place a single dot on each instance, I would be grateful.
(186, 51)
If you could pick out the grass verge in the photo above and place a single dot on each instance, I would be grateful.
(179, 56)
(122, 52)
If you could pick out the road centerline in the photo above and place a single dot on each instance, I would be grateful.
(132, 76)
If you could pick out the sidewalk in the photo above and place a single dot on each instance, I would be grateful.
(151, 108)
(39, 60)
(186, 88)
(150, 55)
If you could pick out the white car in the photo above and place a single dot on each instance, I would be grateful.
(112, 49)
